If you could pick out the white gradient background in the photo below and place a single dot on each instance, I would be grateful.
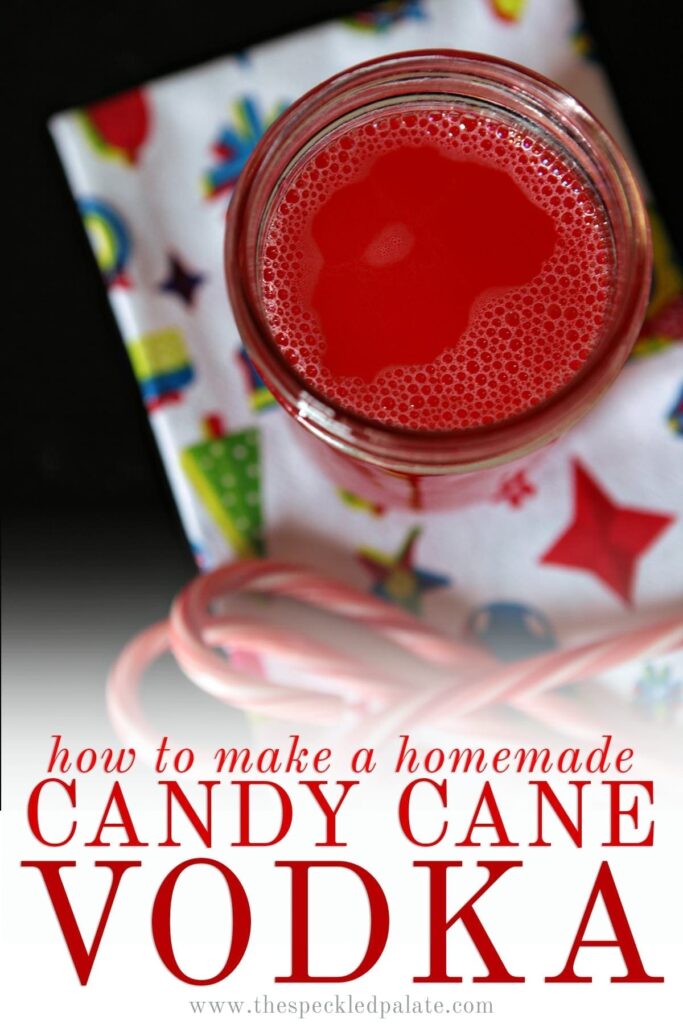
(60, 640)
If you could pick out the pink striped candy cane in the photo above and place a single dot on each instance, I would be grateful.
(338, 687)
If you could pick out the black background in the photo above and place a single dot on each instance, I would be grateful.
(85, 483)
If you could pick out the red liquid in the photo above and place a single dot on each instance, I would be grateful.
(436, 269)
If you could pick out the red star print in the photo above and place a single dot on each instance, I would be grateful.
(605, 539)
(515, 489)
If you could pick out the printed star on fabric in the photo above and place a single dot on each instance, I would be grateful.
(658, 693)
(396, 578)
(515, 489)
(234, 143)
(180, 281)
(675, 416)
(605, 539)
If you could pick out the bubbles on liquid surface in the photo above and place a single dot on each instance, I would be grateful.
(519, 347)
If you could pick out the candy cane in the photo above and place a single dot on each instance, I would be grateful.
(338, 687)
(281, 579)
(524, 679)
(524, 682)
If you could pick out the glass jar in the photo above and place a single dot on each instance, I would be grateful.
(437, 469)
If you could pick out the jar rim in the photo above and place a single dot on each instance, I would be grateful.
(405, 449)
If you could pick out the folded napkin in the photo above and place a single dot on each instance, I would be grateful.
(591, 541)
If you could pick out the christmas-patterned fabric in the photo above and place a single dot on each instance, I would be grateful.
(590, 541)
